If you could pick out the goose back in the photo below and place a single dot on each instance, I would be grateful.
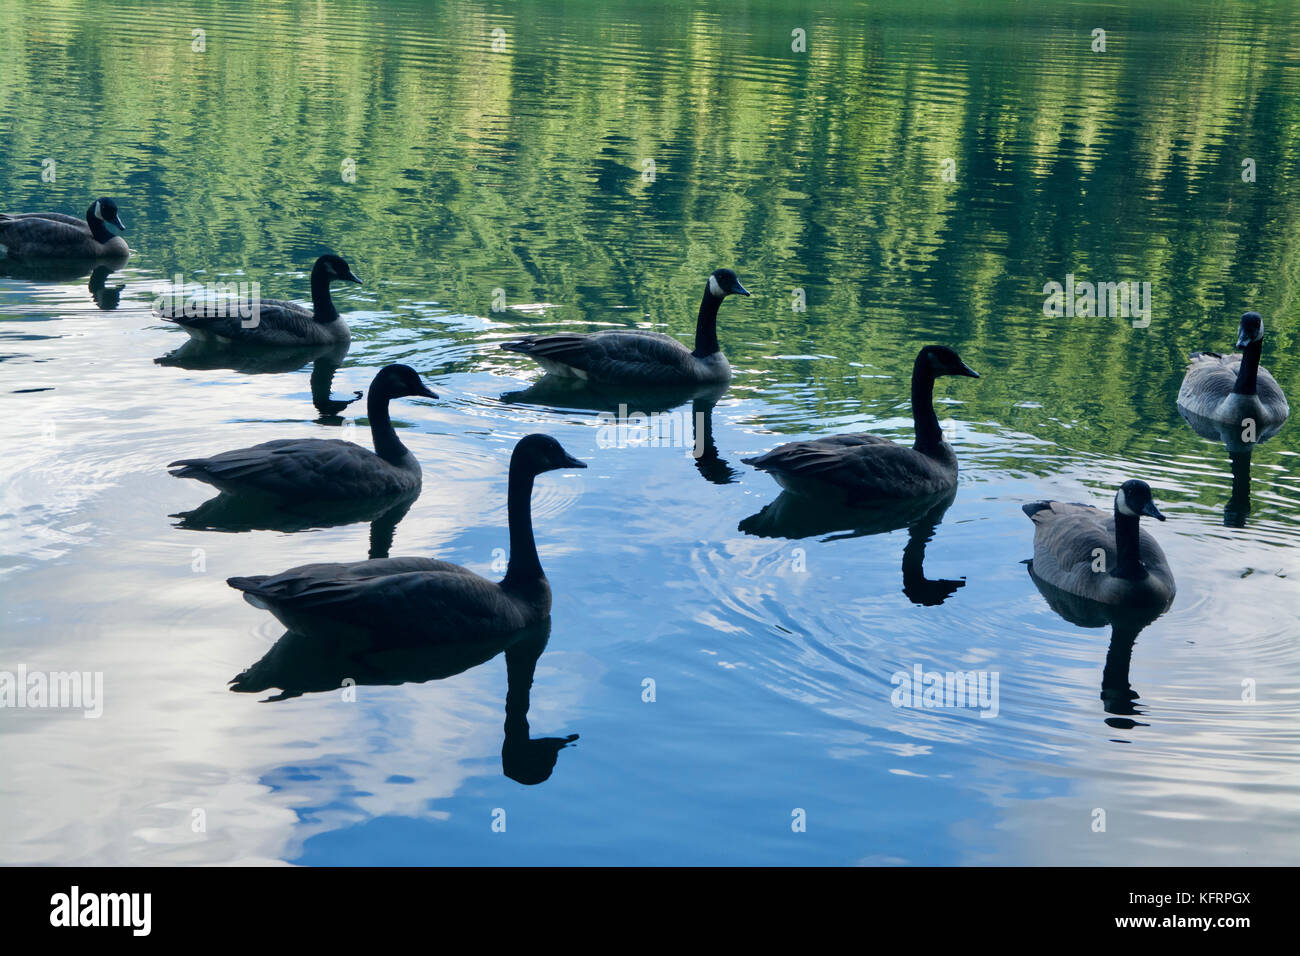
(860, 466)
(324, 468)
(453, 601)
(629, 357)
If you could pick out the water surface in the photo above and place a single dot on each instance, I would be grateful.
(521, 176)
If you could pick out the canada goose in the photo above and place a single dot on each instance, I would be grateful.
(1105, 558)
(1234, 389)
(633, 357)
(323, 469)
(52, 235)
(861, 468)
(421, 599)
(274, 322)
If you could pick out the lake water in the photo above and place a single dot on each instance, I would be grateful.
(588, 167)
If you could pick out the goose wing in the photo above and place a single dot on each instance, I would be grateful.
(298, 468)
(35, 229)
(852, 461)
(619, 354)
(1209, 379)
(418, 593)
(77, 223)
(278, 322)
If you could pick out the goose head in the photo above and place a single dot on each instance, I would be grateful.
(334, 267)
(1134, 499)
(399, 381)
(1251, 329)
(539, 453)
(723, 283)
(941, 360)
(103, 212)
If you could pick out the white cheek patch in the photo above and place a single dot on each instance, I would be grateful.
(1122, 506)
(96, 211)
(714, 289)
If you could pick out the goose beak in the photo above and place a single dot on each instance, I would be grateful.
(1150, 509)
(968, 371)
(1242, 339)
(571, 462)
(116, 227)
(351, 277)
(739, 289)
(424, 391)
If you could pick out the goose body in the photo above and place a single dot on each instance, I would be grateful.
(862, 467)
(1235, 390)
(53, 235)
(322, 469)
(422, 598)
(640, 358)
(1102, 557)
(278, 323)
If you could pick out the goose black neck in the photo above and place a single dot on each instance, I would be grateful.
(322, 305)
(387, 445)
(706, 326)
(1128, 555)
(97, 227)
(524, 567)
(1248, 373)
(928, 434)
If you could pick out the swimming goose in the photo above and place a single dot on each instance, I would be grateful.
(1105, 558)
(1234, 389)
(323, 469)
(861, 468)
(276, 323)
(420, 599)
(634, 357)
(52, 235)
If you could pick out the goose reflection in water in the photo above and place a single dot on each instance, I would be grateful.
(238, 513)
(319, 662)
(629, 405)
(106, 297)
(197, 356)
(1118, 697)
(1240, 441)
(795, 516)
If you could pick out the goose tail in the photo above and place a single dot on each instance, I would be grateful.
(524, 345)
(251, 586)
